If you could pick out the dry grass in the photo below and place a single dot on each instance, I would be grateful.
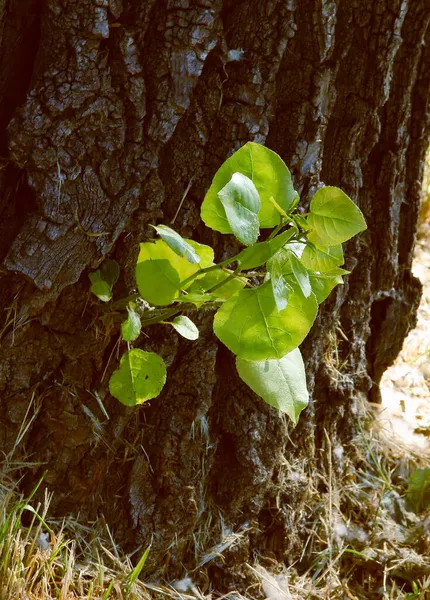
(58, 559)
(364, 540)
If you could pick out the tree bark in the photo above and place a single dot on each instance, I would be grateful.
(109, 110)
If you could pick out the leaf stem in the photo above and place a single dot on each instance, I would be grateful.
(220, 265)
(277, 229)
(207, 305)
(165, 314)
(226, 280)
(122, 302)
(201, 271)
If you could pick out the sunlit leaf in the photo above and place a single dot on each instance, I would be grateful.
(280, 288)
(250, 325)
(141, 376)
(195, 298)
(213, 278)
(130, 329)
(322, 259)
(177, 243)
(281, 383)
(334, 217)
(159, 271)
(271, 177)
(241, 203)
(323, 283)
(185, 327)
(257, 255)
(206, 253)
(301, 275)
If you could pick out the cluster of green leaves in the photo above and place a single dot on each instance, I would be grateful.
(266, 297)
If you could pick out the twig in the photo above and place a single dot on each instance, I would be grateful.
(182, 200)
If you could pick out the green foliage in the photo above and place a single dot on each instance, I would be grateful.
(134, 574)
(323, 283)
(260, 253)
(301, 275)
(185, 327)
(160, 270)
(322, 258)
(177, 243)
(99, 287)
(333, 218)
(281, 383)
(130, 329)
(418, 491)
(215, 278)
(270, 176)
(261, 316)
(141, 376)
(103, 280)
(280, 287)
(241, 203)
(251, 326)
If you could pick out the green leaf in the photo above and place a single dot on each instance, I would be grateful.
(130, 329)
(241, 203)
(301, 221)
(100, 288)
(140, 377)
(281, 383)
(334, 217)
(157, 281)
(322, 283)
(206, 253)
(177, 243)
(110, 272)
(322, 259)
(286, 263)
(279, 269)
(259, 254)
(280, 288)
(280, 210)
(418, 491)
(296, 200)
(254, 256)
(271, 177)
(194, 298)
(104, 279)
(301, 275)
(281, 261)
(250, 325)
(159, 271)
(185, 327)
(209, 280)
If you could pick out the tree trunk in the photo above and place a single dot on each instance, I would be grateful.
(109, 111)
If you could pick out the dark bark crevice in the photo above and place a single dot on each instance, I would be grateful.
(19, 40)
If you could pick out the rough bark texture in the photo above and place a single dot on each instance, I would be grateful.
(109, 109)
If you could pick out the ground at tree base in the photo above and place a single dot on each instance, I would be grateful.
(364, 541)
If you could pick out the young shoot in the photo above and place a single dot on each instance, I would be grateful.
(261, 316)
